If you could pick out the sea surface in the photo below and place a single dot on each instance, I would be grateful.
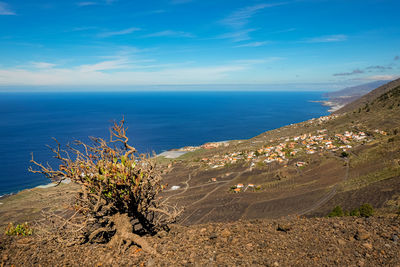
(157, 121)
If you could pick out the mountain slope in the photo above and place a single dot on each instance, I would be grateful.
(358, 90)
(369, 97)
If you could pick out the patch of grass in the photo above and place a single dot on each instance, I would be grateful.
(193, 154)
(22, 229)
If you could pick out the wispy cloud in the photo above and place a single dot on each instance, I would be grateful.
(80, 29)
(123, 74)
(237, 36)
(87, 3)
(5, 9)
(380, 78)
(43, 65)
(396, 58)
(327, 39)
(105, 65)
(179, 2)
(379, 68)
(241, 17)
(121, 32)
(249, 62)
(170, 33)
(155, 11)
(284, 30)
(354, 72)
(93, 3)
(254, 44)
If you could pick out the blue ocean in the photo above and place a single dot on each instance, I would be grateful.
(157, 121)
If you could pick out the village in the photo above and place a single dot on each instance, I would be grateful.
(282, 150)
(290, 148)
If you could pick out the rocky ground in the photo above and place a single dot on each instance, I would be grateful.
(344, 241)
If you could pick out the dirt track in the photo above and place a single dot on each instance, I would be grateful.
(206, 201)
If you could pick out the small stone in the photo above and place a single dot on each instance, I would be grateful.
(361, 263)
(367, 245)
(225, 233)
(213, 236)
(395, 238)
(150, 262)
(202, 230)
(276, 264)
(362, 235)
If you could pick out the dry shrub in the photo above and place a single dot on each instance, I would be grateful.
(119, 197)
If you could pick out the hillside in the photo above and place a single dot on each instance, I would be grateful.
(340, 98)
(311, 181)
(355, 91)
(253, 202)
(369, 97)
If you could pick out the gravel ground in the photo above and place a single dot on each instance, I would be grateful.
(285, 242)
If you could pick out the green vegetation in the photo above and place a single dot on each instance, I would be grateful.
(365, 210)
(355, 213)
(22, 229)
(336, 212)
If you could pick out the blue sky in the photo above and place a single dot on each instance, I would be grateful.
(288, 44)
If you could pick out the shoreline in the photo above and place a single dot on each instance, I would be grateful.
(176, 152)
(43, 186)
(332, 105)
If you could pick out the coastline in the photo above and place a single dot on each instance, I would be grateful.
(43, 186)
(175, 153)
(332, 105)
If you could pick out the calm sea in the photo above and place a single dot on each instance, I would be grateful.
(157, 121)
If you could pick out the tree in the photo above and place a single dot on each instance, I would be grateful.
(119, 198)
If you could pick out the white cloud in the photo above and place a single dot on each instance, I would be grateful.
(170, 33)
(105, 65)
(43, 65)
(257, 61)
(5, 9)
(254, 44)
(178, 2)
(241, 17)
(381, 77)
(121, 32)
(327, 39)
(237, 36)
(87, 3)
(123, 74)
(92, 3)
